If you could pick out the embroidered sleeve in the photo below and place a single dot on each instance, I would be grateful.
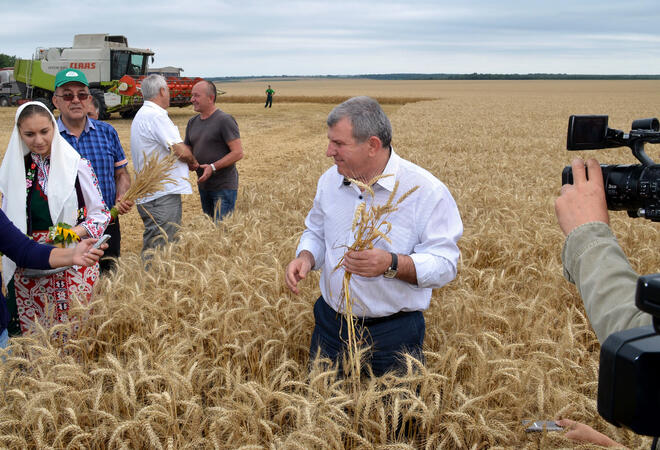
(96, 216)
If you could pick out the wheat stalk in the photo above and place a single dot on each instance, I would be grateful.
(369, 226)
(150, 179)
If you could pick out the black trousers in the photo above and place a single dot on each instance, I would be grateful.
(269, 102)
(388, 337)
(114, 246)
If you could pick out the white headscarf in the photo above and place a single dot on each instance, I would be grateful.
(62, 198)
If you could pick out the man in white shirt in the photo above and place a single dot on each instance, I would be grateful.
(391, 282)
(152, 131)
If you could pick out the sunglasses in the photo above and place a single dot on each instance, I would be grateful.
(82, 96)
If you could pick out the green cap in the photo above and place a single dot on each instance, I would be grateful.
(69, 75)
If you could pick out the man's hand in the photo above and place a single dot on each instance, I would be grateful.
(298, 269)
(367, 263)
(184, 153)
(580, 432)
(123, 206)
(122, 183)
(208, 171)
(85, 255)
(584, 200)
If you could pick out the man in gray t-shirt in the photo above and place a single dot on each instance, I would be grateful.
(216, 144)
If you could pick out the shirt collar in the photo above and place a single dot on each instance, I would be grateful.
(392, 167)
(88, 125)
(150, 104)
(38, 159)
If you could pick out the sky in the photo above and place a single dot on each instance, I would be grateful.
(252, 38)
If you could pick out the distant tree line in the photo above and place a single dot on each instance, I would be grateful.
(504, 76)
(6, 60)
(452, 76)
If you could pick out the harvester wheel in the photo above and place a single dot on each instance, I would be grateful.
(46, 102)
(129, 114)
(98, 94)
(4, 101)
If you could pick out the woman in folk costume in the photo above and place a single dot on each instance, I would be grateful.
(44, 182)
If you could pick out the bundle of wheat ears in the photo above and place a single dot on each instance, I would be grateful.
(151, 179)
(369, 225)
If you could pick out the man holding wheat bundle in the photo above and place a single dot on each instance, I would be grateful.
(153, 132)
(378, 278)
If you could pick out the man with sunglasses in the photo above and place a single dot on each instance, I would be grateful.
(98, 142)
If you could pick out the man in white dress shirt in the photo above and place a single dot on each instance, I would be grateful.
(391, 282)
(152, 131)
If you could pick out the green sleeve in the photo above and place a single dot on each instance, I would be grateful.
(595, 262)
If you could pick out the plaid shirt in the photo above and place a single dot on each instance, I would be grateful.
(99, 143)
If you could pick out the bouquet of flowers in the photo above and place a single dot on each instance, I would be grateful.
(61, 235)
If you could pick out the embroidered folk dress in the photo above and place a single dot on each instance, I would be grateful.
(48, 299)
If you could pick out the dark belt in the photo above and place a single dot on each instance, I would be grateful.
(367, 321)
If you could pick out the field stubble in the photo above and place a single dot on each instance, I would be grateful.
(209, 349)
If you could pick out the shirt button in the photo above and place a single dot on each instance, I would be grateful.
(360, 197)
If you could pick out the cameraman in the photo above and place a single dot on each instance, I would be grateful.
(592, 257)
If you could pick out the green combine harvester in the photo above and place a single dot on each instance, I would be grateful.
(113, 69)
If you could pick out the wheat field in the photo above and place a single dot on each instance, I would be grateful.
(209, 349)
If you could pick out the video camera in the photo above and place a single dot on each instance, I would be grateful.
(629, 371)
(632, 188)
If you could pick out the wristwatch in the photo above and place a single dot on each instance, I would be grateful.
(212, 167)
(392, 270)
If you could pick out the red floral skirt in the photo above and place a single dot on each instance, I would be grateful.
(48, 299)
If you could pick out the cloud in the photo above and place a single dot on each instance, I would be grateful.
(210, 38)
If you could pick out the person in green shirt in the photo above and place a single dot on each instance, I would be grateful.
(269, 97)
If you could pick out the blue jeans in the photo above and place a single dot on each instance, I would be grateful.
(4, 339)
(389, 337)
(4, 342)
(225, 198)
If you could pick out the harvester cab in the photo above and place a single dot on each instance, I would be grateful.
(114, 71)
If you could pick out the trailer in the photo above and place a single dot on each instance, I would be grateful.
(10, 94)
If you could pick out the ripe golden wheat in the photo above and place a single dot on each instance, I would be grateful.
(208, 349)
